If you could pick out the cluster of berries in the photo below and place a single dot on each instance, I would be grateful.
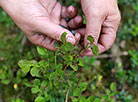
(72, 31)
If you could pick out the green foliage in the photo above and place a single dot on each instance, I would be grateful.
(54, 81)
(5, 18)
(51, 77)
(17, 100)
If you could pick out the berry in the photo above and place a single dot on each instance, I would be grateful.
(67, 19)
(73, 32)
(50, 70)
(62, 26)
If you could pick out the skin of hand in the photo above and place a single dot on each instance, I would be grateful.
(40, 20)
(103, 18)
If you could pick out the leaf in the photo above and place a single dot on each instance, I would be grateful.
(28, 84)
(75, 100)
(34, 72)
(25, 65)
(74, 67)
(108, 92)
(39, 99)
(95, 50)
(68, 46)
(90, 99)
(41, 51)
(6, 82)
(63, 37)
(81, 62)
(112, 87)
(35, 90)
(44, 83)
(76, 92)
(52, 76)
(36, 82)
(56, 44)
(91, 39)
(83, 86)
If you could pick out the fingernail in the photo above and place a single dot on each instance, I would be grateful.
(70, 39)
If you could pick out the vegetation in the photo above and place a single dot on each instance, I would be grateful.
(29, 73)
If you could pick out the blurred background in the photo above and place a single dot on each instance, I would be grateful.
(118, 65)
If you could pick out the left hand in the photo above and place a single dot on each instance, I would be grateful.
(103, 18)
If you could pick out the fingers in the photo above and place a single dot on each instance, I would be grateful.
(105, 42)
(77, 37)
(47, 42)
(54, 31)
(93, 27)
(81, 31)
(75, 22)
(43, 41)
(69, 12)
(107, 37)
(63, 23)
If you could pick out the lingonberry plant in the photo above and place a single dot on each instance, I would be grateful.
(55, 77)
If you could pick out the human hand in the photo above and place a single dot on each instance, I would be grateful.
(103, 18)
(40, 20)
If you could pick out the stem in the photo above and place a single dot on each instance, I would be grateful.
(56, 57)
(67, 95)
(87, 46)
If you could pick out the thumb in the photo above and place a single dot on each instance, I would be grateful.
(54, 31)
(93, 26)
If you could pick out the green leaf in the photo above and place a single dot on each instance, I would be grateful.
(52, 76)
(25, 65)
(56, 44)
(90, 99)
(83, 86)
(76, 92)
(36, 82)
(81, 62)
(35, 90)
(39, 99)
(91, 39)
(34, 72)
(68, 46)
(44, 83)
(112, 87)
(95, 50)
(28, 84)
(108, 92)
(74, 67)
(5, 82)
(41, 51)
(75, 100)
(63, 37)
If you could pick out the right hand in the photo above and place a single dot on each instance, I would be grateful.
(40, 20)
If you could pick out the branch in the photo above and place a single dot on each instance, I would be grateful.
(67, 95)
(125, 53)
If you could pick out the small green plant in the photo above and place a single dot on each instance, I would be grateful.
(55, 77)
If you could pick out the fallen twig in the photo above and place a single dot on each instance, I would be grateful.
(125, 53)
(67, 95)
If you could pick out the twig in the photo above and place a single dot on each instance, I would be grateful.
(0, 94)
(125, 53)
(23, 42)
(20, 94)
(67, 95)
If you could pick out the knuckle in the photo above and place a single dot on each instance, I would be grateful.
(96, 13)
(118, 17)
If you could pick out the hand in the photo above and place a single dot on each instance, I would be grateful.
(40, 20)
(103, 18)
